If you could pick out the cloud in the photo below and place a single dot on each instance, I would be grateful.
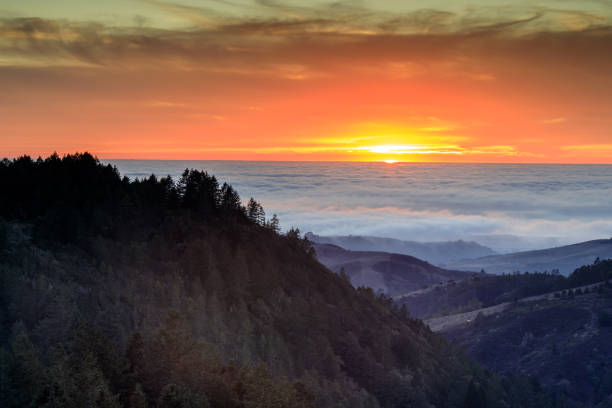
(308, 37)
(553, 121)
(508, 206)
(588, 149)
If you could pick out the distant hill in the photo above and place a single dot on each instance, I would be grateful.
(564, 258)
(432, 252)
(564, 342)
(483, 290)
(557, 329)
(392, 274)
(476, 292)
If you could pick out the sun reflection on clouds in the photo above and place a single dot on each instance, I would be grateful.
(412, 149)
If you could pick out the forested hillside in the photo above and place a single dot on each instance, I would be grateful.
(488, 290)
(162, 294)
(564, 342)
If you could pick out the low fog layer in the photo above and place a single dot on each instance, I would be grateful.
(504, 207)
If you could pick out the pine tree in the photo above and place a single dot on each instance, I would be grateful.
(255, 212)
(274, 224)
(230, 200)
(252, 209)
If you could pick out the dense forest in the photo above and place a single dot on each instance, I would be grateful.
(163, 293)
(564, 341)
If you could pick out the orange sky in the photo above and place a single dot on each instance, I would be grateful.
(261, 80)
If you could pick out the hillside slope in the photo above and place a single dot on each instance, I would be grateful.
(564, 342)
(154, 293)
(564, 258)
(483, 290)
(392, 274)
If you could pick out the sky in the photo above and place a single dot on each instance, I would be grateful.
(441, 81)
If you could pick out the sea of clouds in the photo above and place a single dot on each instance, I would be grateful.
(506, 207)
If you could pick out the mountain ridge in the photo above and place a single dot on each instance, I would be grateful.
(432, 252)
(563, 258)
(390, 273)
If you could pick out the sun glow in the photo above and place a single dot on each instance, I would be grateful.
(412, 149)
(390, 161)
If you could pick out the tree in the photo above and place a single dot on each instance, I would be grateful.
(274, 224)
(255, 212)
(73, 382)
(404, 314)
(293, 234)
(198, 191)
(230, 200)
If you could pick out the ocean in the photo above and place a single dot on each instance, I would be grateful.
(507, 207)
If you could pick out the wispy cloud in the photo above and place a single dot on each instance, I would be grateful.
(553, 121)
(299, 36)
(593, 148)
(312, 69)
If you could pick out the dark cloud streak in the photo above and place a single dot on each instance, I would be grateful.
(335, 38)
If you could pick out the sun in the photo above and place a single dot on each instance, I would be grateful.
(390, 161)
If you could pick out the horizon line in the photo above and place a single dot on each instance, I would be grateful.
(362, 161)
(395, 161)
